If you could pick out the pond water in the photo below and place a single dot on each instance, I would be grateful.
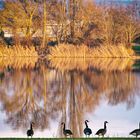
(71, 91)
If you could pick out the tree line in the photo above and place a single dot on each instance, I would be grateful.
(71, 21)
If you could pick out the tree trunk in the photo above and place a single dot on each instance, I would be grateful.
(44, 24)
(72, 17)
(28, 32)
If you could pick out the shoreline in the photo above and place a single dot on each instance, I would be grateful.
(92, 138)
(59, 57)
(71, 51)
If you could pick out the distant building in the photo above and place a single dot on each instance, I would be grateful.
(52, 30)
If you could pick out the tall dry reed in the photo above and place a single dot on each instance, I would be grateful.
(17, 51)
(83, 51)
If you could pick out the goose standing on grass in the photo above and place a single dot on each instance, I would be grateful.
(66, 132)
(30, 132)
(135, 132)
(87, 130)
(102, 132)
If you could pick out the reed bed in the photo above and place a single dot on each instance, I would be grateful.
(102, 64)
(17, 51)
(83, 51)
(18, 62)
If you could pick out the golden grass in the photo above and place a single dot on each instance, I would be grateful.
(17, 51)
(83, 51)
(18, 62)
(103, 64)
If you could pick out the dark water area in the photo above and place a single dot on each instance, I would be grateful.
(71, 91)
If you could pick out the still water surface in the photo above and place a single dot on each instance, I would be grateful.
(70, 91)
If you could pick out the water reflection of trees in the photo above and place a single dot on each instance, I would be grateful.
(24, 96)
(117, 87)
(44, 95)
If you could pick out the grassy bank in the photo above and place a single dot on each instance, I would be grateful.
(17, 51)
(70, 138)
(136, 49)
(71, 51)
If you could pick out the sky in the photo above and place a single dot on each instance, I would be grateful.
(116, 0)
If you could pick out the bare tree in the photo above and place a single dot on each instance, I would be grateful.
(44, 23)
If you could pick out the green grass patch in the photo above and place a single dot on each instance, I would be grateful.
(136, 48)
(136, 65)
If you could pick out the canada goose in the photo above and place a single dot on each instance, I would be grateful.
(102, 132)
(66, 132)
(30, 132)
(87, 131)
(135, 132)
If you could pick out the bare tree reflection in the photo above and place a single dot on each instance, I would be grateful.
(24, 98)
(123, 88)
(42, 95)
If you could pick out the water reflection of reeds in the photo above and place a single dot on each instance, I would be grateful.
(44, 95)
(18, 62)
(105, 64)
(67, 64)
